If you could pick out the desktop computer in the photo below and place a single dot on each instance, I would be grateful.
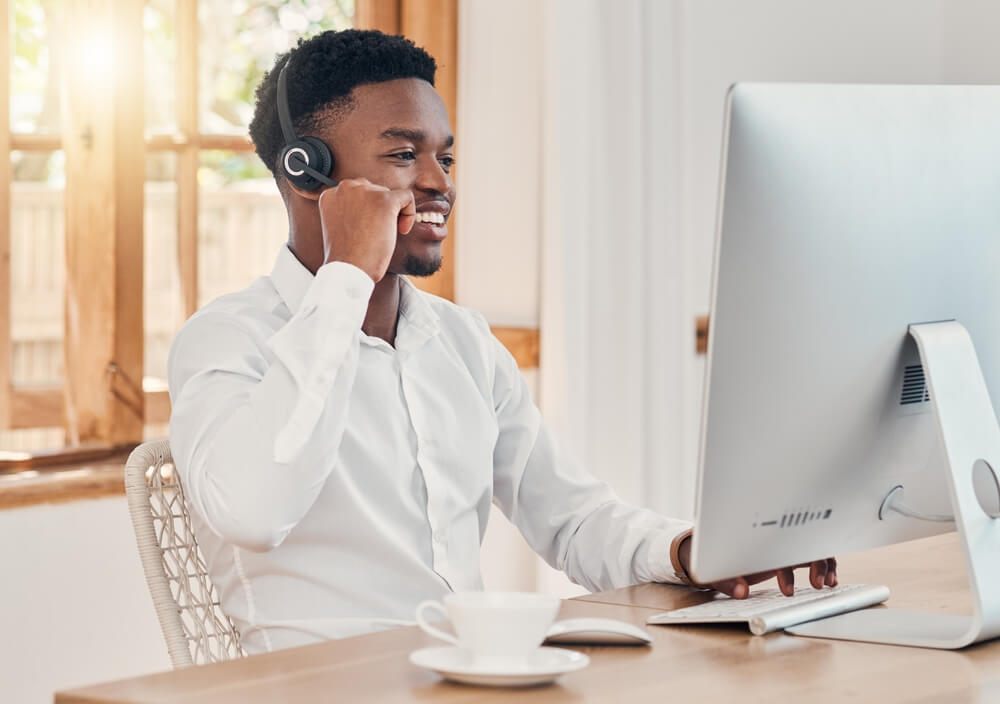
(854, 342)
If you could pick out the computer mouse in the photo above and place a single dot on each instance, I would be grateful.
(597, 631)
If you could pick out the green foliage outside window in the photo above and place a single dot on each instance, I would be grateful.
(238, 40)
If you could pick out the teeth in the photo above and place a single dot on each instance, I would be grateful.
(436, 218)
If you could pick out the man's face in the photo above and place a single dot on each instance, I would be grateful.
(397, 135)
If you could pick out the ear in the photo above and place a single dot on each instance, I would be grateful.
(308, 195)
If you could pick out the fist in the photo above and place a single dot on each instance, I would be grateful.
(360, 222)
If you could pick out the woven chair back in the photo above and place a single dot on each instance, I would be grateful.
(187, 603)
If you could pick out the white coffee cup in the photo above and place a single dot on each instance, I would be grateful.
(495, 627)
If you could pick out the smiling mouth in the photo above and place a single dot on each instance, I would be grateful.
(431, 217)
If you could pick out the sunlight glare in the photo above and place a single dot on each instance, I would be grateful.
(96, 56)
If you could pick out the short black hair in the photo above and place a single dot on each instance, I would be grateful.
(324, 70)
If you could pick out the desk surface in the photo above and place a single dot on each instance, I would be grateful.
(685, 664)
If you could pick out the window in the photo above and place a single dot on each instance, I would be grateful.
(120, 228)
(31, 244)
(211, 216)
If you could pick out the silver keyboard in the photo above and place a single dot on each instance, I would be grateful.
(759, 602)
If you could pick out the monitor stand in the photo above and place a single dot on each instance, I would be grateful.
(970, 433)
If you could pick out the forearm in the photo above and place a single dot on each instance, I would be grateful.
(573, 520)
(619, 544)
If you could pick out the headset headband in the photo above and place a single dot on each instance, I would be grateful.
(284, 116)
(306, 161)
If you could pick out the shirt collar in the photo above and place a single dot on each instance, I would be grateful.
(415, 307)
(290, 278)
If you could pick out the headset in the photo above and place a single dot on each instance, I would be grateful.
(305, 161)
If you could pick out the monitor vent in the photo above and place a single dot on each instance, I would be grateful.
(795, 518)
(914, 386)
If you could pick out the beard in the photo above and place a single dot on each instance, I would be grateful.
(417, 266)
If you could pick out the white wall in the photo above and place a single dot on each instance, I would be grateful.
(74, 608)
(499, 215)
(498, 127)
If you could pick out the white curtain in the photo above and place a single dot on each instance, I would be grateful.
(617, 340)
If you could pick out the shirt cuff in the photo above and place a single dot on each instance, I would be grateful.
(341, 282)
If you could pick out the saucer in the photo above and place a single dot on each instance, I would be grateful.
(543, 665)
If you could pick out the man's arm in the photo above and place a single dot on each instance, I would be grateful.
(573, 520)
(243, 429)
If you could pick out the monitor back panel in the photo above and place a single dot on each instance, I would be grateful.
(846, 214)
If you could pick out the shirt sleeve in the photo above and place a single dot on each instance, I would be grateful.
(245, 408)
(573, 520)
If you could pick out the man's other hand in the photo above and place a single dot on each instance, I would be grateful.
(822, 573)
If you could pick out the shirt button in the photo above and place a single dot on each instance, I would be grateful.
(438, 539)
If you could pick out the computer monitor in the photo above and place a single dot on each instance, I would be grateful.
(848, 214)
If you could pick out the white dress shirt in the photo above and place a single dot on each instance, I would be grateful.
(335, 481)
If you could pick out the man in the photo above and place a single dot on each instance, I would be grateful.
(340, 434)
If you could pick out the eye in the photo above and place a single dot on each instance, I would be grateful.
(447, 162)
(408, 155)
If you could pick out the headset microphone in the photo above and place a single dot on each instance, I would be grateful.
(305, 161)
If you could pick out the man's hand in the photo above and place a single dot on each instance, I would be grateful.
(360, 222)
(821, 573)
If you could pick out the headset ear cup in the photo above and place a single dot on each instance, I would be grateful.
(295, 152)
(324, 158)
(316, 155)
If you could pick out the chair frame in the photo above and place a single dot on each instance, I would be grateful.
(187, 605)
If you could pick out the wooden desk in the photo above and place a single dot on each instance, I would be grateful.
(686, 664)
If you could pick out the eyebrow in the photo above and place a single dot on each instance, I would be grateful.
(412, 135)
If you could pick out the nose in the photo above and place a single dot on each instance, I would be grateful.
(431, 176)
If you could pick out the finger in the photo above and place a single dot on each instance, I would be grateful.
(407, 209)
(831, 572)
(786, 581)
(325, 195)
(758, 577)
(736, 588)
(817, 574)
